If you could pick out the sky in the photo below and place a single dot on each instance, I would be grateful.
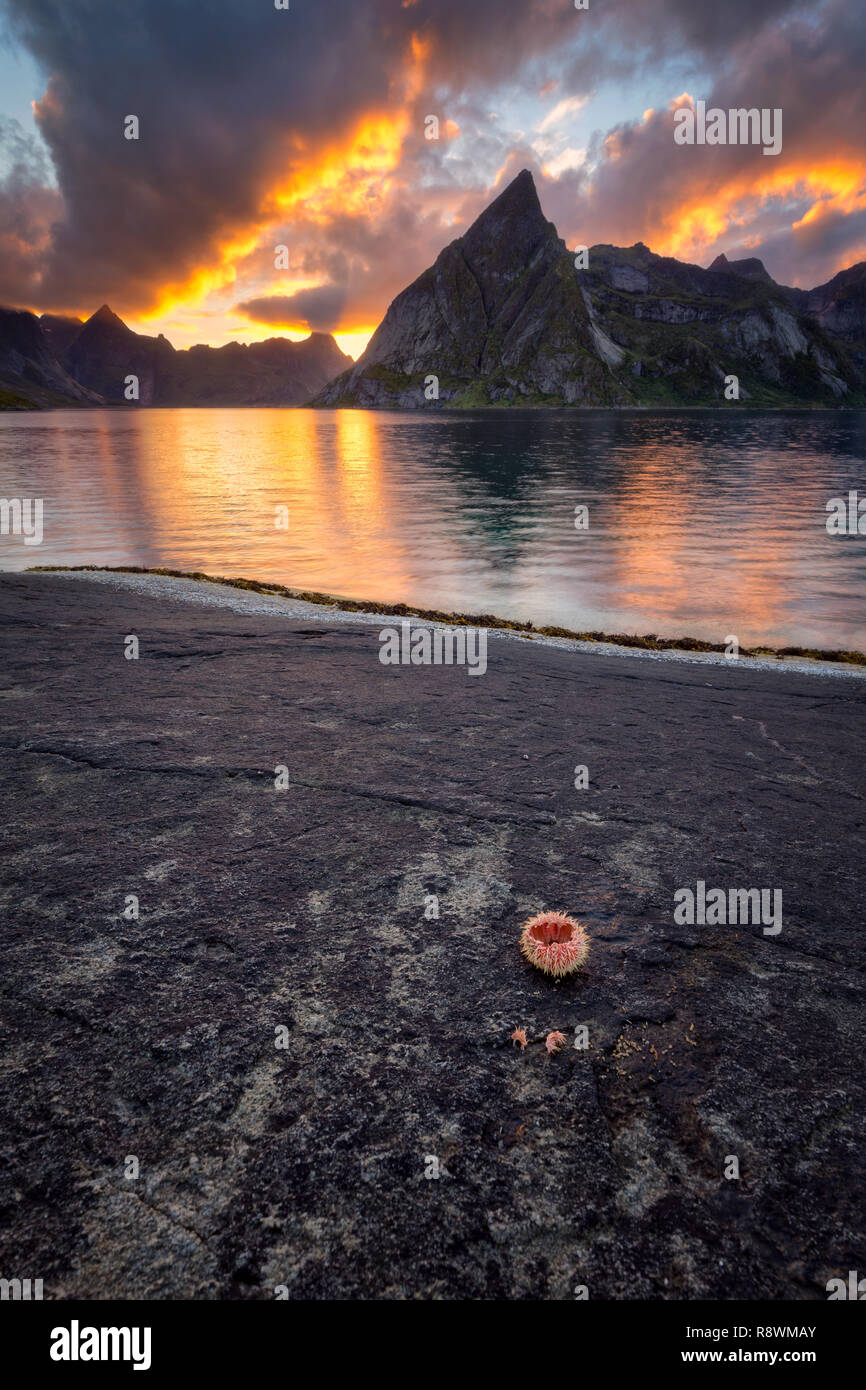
(307, 128)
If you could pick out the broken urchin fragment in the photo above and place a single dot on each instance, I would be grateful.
(519, 1036)
(555, 943)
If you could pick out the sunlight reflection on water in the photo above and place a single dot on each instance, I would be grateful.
(706, 523)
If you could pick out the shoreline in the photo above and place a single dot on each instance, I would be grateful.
(341, 608)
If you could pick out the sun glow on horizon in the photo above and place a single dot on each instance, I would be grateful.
(353, 176)
(217, 331)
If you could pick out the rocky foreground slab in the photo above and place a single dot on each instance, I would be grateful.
(286, 1050)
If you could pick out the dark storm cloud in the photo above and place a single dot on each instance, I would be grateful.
(318, 308)
(231, 95)
(217, 89)
(707, 29)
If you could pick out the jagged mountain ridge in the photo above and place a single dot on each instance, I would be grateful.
(57, 360)
(30, 373)
(503, 317)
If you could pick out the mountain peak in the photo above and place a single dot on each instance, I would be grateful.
(502, 317)
(750, 267)
(519, 198)
(106, 315)
(522, 186)
(511, 228)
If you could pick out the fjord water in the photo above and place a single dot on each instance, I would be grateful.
(706, 523)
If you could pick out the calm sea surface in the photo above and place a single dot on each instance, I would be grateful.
(706, 523)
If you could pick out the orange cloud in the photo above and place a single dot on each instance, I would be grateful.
(352, 176)
(694, 225)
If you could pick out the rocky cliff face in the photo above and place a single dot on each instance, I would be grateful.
(61, 361)
(500, 317)
(30, 374)
(840, 308)
(60, 331)
(505, 317)
(106, 352)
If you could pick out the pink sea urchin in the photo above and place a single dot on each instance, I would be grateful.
(554, 942)
(554, 1041)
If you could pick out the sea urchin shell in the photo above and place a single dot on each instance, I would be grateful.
(554, 942)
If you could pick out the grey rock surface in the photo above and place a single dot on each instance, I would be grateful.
(303, 909)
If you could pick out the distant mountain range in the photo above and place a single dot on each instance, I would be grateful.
(53, 361)
(505, 318)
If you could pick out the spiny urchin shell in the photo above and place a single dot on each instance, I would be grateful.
(555, 943)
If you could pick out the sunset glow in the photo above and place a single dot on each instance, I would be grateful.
(364, 200)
